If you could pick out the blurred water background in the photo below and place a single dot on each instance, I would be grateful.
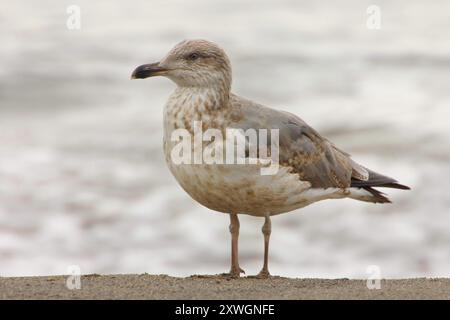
(82, 175)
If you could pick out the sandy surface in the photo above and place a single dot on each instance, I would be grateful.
(217, 287)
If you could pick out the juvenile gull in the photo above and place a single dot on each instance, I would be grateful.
(311, 167)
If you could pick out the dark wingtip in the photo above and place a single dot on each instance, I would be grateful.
(395, 186)
(379, 181)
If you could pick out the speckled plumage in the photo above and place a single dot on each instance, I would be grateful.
(311, 167)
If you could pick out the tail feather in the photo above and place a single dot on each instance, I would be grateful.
(377, 196)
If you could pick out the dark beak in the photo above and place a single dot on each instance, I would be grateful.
(148, 70)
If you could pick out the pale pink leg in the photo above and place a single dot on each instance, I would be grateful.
(266, 230)
(235, 271)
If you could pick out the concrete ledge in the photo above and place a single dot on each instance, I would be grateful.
(217, 287)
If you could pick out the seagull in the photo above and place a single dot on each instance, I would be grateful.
(310, 167)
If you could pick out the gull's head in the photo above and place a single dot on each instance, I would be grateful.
(191, 63)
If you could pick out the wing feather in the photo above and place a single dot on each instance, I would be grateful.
(312, 157)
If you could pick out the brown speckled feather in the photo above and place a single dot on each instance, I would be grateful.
(311, 156)
(314, 158)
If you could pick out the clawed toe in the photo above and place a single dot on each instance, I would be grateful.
(234, 273)
(263, 274)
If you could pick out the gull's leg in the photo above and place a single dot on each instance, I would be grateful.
(266, 230)
(235, 270)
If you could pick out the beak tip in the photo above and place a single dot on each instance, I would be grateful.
(148, 70)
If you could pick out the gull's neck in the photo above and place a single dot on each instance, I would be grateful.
(201, 98)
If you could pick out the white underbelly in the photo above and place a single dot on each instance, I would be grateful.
(242, 189)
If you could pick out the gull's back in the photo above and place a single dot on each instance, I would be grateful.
(312, 157)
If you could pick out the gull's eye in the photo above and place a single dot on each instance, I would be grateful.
(193, 56)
